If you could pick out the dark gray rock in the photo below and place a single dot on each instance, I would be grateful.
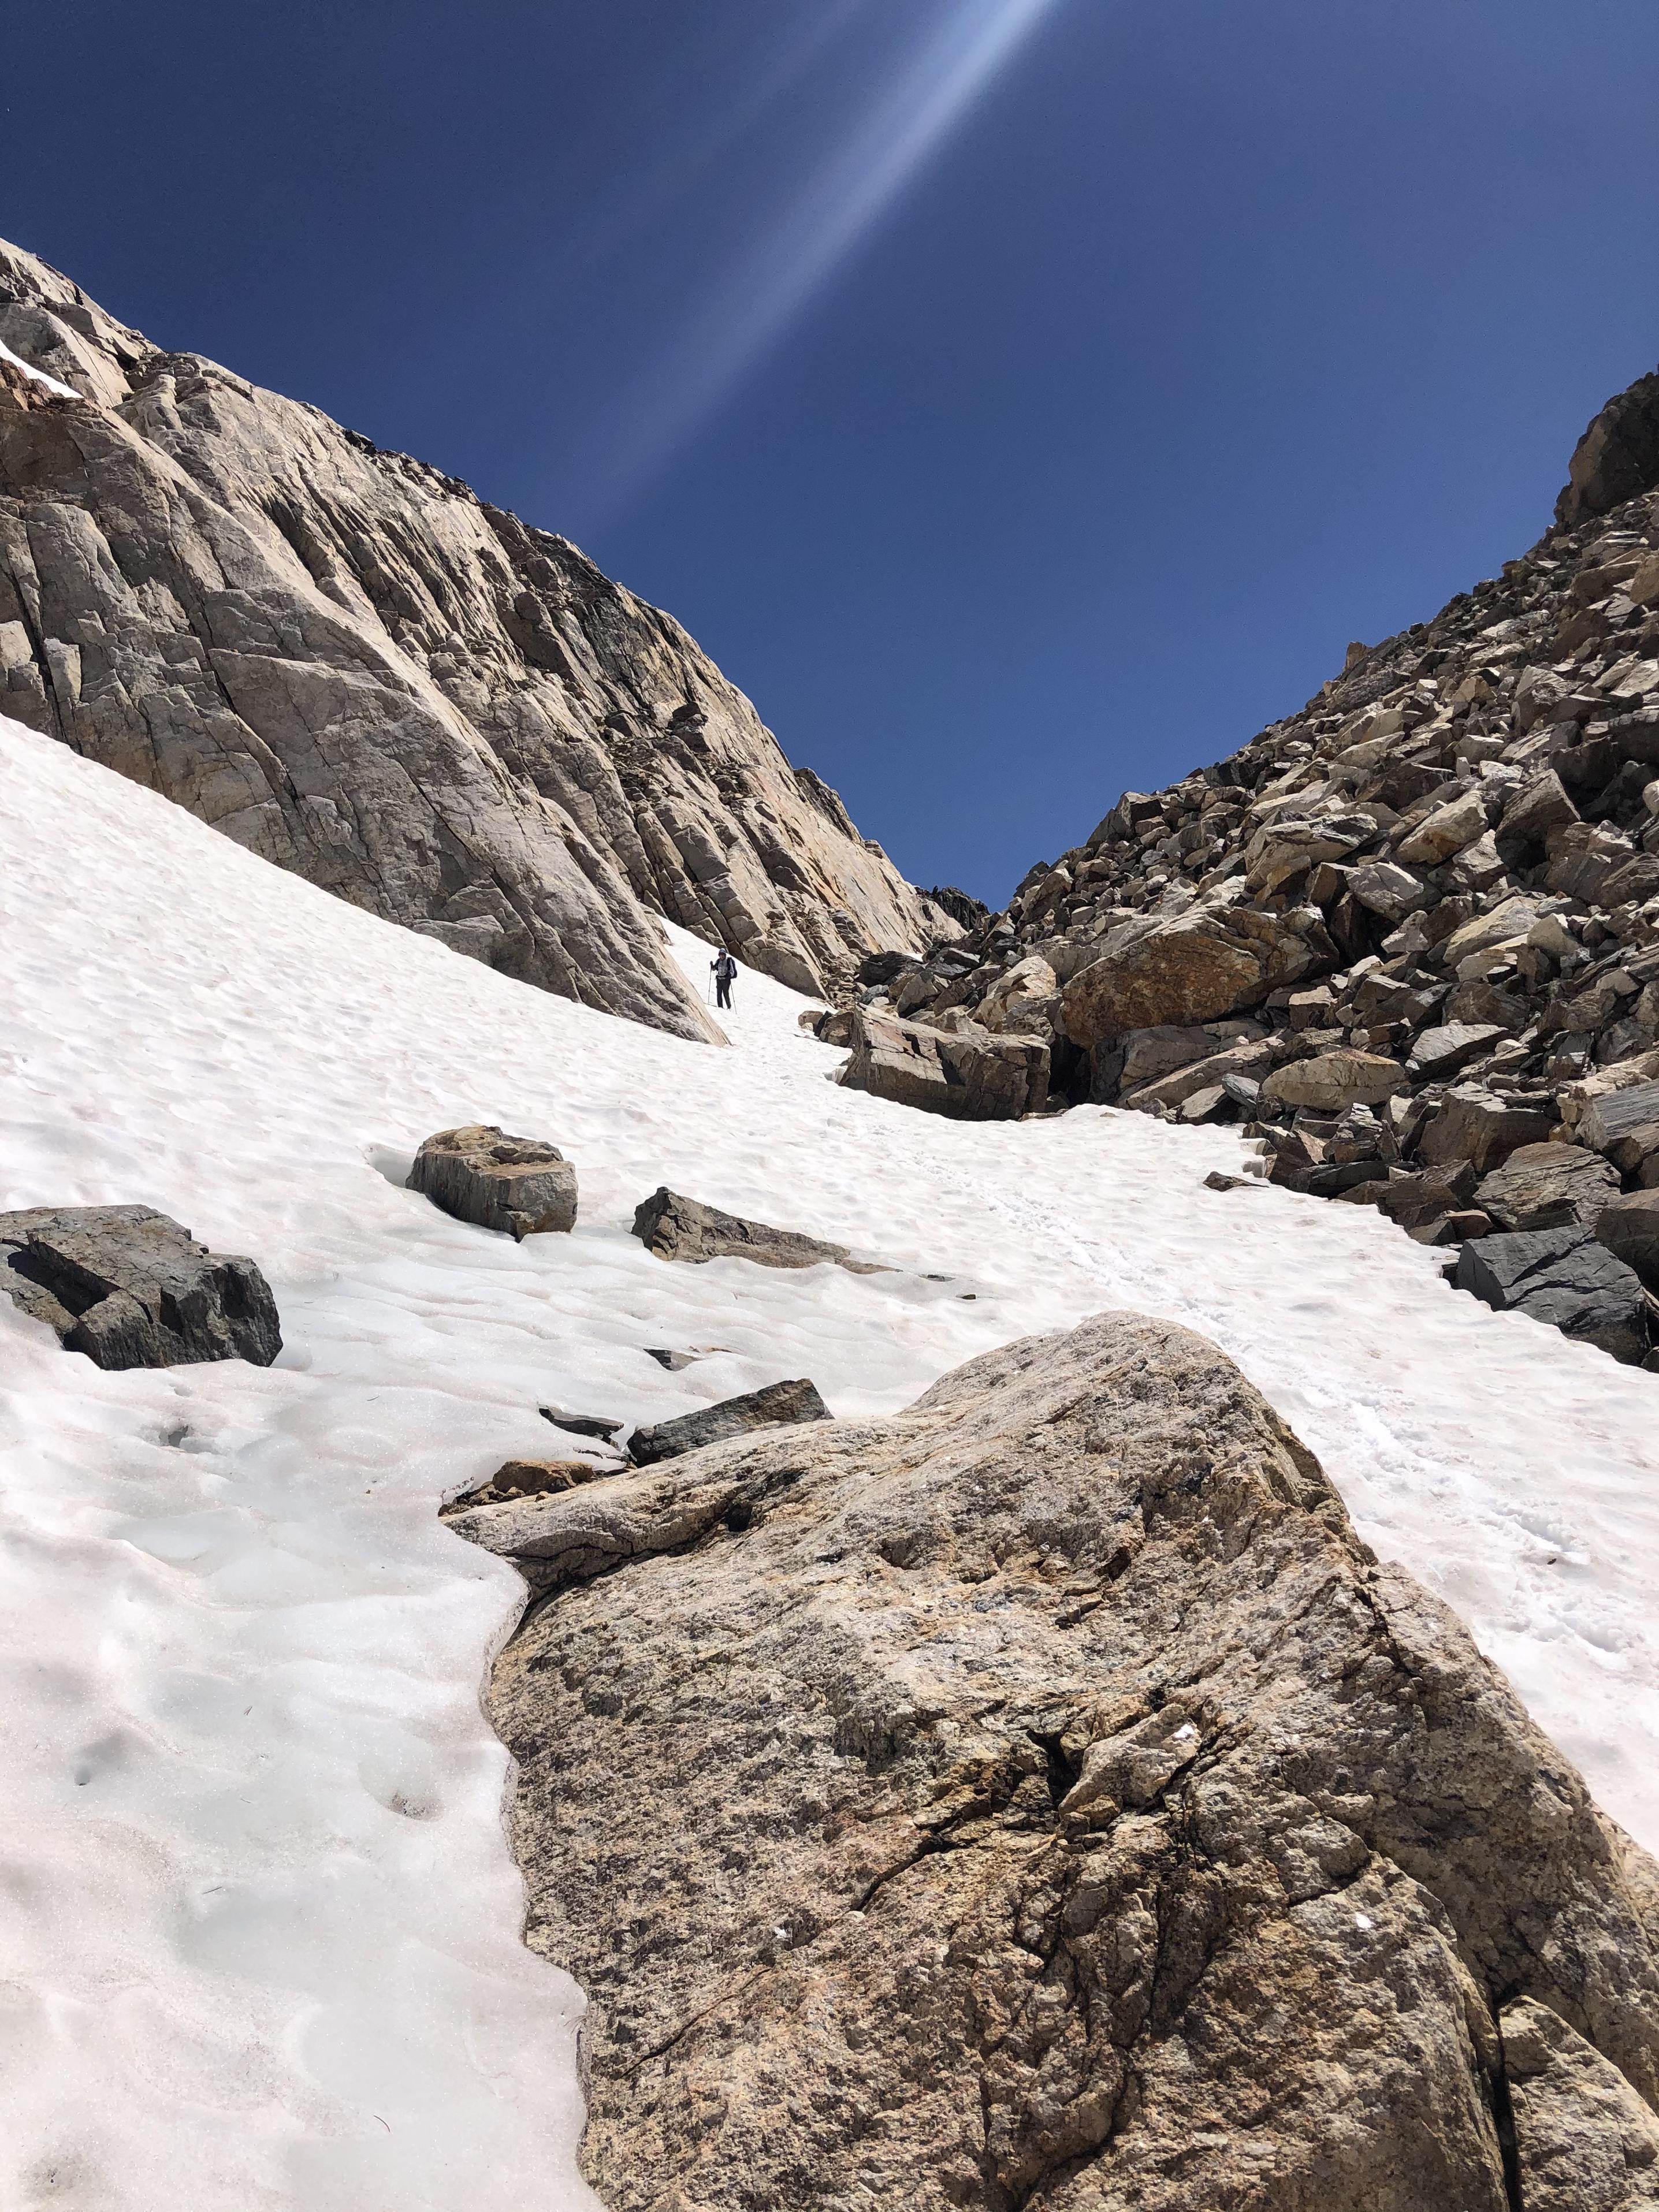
(518, 1185)
(1440, 1052)
(1565, 1277)
(1629, 1228)
(674, 1227)
(1548, 1187)
(780, 1405)
(582, 1425)
(130, 1288)
(885, 967)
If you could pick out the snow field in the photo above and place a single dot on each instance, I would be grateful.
(261, 1924)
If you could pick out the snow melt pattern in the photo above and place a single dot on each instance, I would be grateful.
(260, 1922)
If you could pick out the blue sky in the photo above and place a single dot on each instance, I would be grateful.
(1019, 398)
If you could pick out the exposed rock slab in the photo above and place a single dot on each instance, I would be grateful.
(674, 1227)
(1629, 1228)
(967, 1074)
(349, 662)
(1041, 1798)
(780, 1405)
(130, 1288)
(1548, 1187)
(1565, 1277)
(518, 1185)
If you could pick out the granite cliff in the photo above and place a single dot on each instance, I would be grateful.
(347, 661)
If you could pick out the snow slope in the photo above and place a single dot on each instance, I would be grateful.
(259, 1921)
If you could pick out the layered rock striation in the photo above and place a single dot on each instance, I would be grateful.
(1043, 1799)
(347, 661)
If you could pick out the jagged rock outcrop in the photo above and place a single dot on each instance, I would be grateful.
(130, 1288)
(1410, 931)
(1043, 1799)
(348, 662)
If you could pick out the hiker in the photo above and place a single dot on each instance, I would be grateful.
(724, 969)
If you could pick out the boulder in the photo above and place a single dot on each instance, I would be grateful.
(1249, 1061)
(1392, 891)
(1565, 1277)
(674, 1227)
(1506, 923)
(1285, 848)
(1416, 1201)
(1475, 1125)
(525, 1478)
(518, 1185)
(781, 1405)
(1629, 1228)
(1548, 1187)
(964, 1072)
(1333, 1081)
(1537, 807)
(1441, 1051)
(1190, 968)
(1014, 1000)
(130, 1288)
(1042, 1797)
(1444, 831)
(1584, 2142)
(884, 967)
(1624, 1124)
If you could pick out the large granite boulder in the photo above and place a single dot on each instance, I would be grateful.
(518, 1185)
(966, 1072)
(1331, 1082)
(1188, 969)
(1042, 1798)
(1565, 1277)
(128, 1287)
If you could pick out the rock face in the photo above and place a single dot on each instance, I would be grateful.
(965, 1074)
(349, 662)
(479, 1174)
(1043, 1799)
(131, 1288)
(781, 1405)
(676, 1228)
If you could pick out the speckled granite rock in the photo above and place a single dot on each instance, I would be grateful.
(1043, 1799)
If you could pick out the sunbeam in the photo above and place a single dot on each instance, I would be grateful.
(762, 295)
